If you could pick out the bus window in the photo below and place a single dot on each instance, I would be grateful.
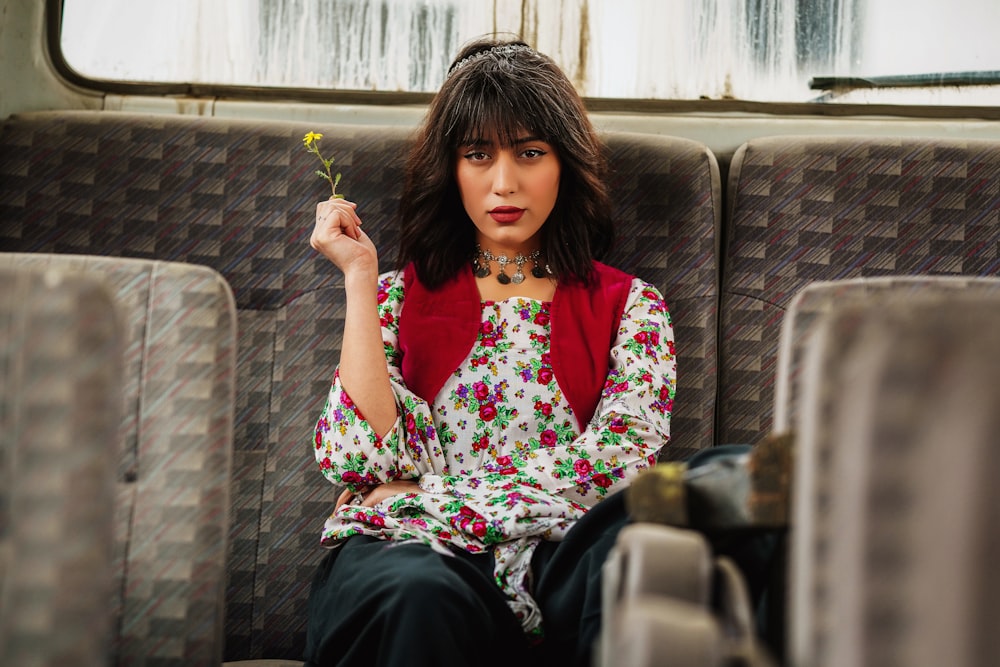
(887, 51)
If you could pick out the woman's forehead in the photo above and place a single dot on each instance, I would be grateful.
(485, 135)
(493, 137)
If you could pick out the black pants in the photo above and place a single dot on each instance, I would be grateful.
(375, 603)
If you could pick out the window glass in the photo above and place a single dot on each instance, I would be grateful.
(898, 51)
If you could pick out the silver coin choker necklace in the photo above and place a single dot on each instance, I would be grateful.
(481, 265)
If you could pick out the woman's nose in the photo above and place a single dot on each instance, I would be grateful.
(504, 174)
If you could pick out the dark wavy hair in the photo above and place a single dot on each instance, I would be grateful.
(502, 88)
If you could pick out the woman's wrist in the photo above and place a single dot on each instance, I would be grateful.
(361, 279)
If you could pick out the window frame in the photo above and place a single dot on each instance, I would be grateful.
(53, 20)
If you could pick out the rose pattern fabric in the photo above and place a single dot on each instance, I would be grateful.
(500, 460)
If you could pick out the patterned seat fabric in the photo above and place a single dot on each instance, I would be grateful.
(667, 197)
(804, 209)
(175, 455)
(239, 197)
(61, 351)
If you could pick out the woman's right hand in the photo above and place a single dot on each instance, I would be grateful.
(338, 237)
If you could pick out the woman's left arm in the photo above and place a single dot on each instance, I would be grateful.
(629, 427)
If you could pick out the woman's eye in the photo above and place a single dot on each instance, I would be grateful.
(533, 153)
(476, 156)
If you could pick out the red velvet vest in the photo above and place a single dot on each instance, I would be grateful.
(437, 329)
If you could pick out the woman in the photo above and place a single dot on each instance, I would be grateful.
(490, 392)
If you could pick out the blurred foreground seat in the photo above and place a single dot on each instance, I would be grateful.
(809, 305)
(895, 511)
(173, 433)
(61, 350)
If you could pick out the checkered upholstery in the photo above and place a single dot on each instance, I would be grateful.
(804, 209)
(667, 198)
(174, 460)
(61, 350)
(239, 196)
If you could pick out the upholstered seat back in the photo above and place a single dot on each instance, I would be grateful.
(61, 351)
(805, 209)
(172, 450)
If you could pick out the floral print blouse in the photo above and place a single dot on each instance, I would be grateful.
(499, 457)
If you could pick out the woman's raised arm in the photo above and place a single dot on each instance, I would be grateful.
(363, 373)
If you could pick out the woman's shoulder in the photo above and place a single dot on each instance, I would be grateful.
(639, 290)
(609, 276)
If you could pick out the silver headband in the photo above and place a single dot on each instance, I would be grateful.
(499, 50)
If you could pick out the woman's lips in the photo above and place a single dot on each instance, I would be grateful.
(506, 214)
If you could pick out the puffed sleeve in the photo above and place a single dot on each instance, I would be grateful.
(347, 448)
(629, 427)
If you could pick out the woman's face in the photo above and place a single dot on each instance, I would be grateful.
(508, 191)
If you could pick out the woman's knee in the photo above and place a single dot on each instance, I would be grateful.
(412, 583)
(424, 587)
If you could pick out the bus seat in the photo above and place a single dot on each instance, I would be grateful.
(173, 466)
(802, 209)
(669, 600)
(885, 416)
(807, 312)
(893, 549)
(61, 354)
(667, 196)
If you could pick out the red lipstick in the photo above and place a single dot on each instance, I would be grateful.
(506, 214)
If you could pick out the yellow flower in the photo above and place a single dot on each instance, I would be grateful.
(311, 142)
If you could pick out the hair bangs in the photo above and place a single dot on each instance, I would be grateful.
(495, 108)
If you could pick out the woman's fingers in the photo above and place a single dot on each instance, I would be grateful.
(337, 236)
(335, 217)
(346, 496)
(389, 489)
(343, 498)
(332, 222)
